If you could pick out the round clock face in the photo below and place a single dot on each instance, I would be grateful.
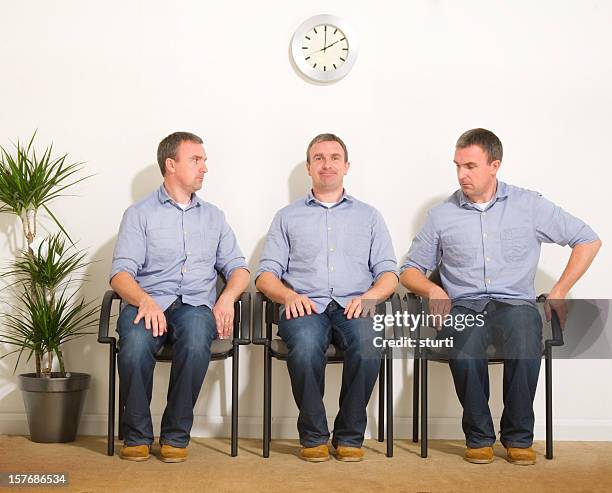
(323, 48)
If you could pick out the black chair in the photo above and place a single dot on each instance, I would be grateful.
(276, 348)
(220, 349)
(416, 304)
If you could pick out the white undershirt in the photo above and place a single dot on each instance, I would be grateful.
(482, 206)
(329, 205)
(182, 206)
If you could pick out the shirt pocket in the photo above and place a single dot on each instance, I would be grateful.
(304, 245)
(162, 244)
(356, 242)
(514, 243)
(209, 245)
(458, 252)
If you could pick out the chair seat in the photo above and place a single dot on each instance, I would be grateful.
(279, 350)
(219, 349)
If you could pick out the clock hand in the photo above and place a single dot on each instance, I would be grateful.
(325, 38)
(324, 48)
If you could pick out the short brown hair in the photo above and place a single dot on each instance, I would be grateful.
(485, 139)
(326, 138)
(169, 145)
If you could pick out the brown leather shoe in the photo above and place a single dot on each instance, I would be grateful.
(481, 455)
(168, 453)
(136, 453)
(320, 453)
(521, 456)
(349, 454)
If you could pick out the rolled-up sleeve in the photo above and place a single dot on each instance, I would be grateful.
(229, 255)
(382, 256)
(130, 249)
(554, 225)
(424, 253)
(275, 255)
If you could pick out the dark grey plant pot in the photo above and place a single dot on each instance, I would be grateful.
(54, 405)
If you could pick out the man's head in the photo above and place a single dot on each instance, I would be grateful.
(478, 156)
(327, 162)
(182, 160)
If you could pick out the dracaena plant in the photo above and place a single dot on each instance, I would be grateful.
(48, 310)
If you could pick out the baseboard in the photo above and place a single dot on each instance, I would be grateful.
(285, 427)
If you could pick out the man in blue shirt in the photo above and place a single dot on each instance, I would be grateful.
(485, 241)
(326, 255)
(170, 247)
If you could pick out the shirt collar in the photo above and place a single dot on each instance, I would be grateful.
(163, 197)
(310, 198)
(500, 193)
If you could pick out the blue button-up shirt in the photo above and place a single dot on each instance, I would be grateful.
(328, 253)
(492, 254)
(172, 252)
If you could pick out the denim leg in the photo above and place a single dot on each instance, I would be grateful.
(359, 374)
(522, 332)
(137, 348)
(192, 330)
(307, 339)
(471, 376)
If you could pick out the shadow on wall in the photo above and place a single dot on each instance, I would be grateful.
(87, 354)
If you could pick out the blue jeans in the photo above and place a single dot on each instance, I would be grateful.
(191, 330)
(520, 334)
(307, 339)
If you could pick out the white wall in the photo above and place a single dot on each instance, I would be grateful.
(105, 81)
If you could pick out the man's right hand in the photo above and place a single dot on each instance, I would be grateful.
(153, 316)
(298, 305)
(439, 304)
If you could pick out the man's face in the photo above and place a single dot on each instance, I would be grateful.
(327, 166)
(475, 174)
(188, 168)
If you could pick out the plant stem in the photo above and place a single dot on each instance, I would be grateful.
(60, 359)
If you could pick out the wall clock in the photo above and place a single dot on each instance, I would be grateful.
(324, 48)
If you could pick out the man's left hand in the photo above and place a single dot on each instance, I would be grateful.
(359, 307)
(224, 316)
(556, 301)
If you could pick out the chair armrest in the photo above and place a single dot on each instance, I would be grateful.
(557, 331)
(105, 310)
(242, 323)
(257, 336)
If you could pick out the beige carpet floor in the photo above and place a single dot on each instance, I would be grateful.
(577, 467)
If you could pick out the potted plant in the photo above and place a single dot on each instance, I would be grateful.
(48, 310)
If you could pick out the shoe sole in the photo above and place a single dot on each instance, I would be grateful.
(522, 462)
(316, 459)
(349, 459)
(479, 461)
(173, 460)
(136, 459)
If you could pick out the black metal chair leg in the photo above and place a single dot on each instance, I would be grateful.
(415, 400)
(549, 421)
(267, 401)
(389, 363)
(381, 400)
(423, 408)
(120, 414)
(111, 400)
(234, 438)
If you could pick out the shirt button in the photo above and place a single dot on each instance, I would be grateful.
(488, 259)
(331, 249)
(184, 269)
(488, 281)
(484, 213)
(329, 228)
(484, 235)
(331, 268)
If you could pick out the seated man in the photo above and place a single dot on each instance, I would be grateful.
(170, 246)
(325, 255)
(485, 240)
